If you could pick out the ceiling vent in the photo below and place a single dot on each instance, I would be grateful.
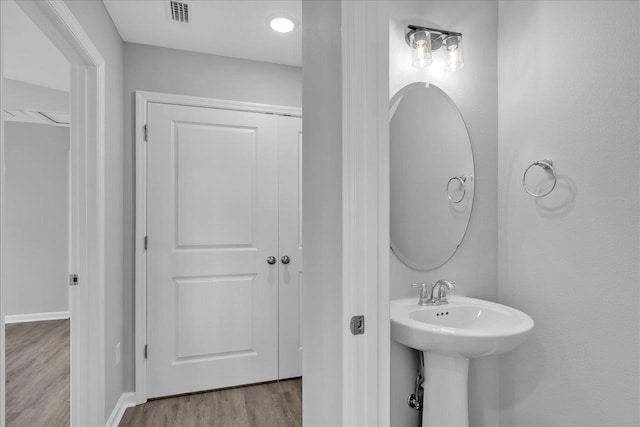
(179, 11)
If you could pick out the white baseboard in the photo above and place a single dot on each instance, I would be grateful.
(127, 400)
(36, 317)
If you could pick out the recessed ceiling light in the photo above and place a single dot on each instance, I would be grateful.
(282, 25)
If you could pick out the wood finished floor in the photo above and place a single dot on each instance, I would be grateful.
(37, 376)
(275, 404)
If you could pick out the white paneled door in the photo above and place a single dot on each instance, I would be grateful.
(214, 298)
(290, 220)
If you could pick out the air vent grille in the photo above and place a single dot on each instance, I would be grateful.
(179, 11)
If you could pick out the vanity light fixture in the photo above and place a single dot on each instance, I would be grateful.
(424, 40)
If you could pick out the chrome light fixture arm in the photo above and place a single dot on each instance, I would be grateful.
(437, 36)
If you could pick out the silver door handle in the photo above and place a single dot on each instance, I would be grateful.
(285, 259)
(271, 260)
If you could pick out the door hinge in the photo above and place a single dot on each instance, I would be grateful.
(73, 280)
(146, 349)
(146, 240)
(357, 325)
(146, 133)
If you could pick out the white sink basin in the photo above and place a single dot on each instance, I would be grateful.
(448, 335)
(465, 327)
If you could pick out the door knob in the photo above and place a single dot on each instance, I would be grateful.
(285, 259)
(271, 260)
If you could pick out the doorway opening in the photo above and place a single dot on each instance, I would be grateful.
(52, 212)
(36, 224)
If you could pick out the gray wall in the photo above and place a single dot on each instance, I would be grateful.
(97, 23)
(474, 266)
(569, 89)
(322, 207)
(35, 273)
(173, 71)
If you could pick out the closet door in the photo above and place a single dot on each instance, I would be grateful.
(212, 297)
(290, 219)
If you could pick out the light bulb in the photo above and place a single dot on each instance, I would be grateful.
(421, 47)
(453, 53)
(421, 58)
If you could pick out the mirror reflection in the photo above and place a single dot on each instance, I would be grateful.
(432, 176)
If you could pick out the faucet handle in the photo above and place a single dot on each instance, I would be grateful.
(424, 293)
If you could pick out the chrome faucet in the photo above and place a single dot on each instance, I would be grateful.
(441, 287)
(438, 295)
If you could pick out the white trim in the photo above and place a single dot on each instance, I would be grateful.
(126, 400)
(365, 204)
(2, 192)
(36, 317)
(383, 206)
(87, 250)
(222, 104)
(142, 101)
(140, 253)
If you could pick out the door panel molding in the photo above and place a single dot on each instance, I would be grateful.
(143, 99)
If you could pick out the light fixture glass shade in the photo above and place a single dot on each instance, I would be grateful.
(421, 48)
(453, 59)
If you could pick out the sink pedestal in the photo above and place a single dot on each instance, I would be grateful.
(448, 336)
(445, 391)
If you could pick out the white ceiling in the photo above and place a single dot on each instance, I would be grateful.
(29, 55)
(230, 28)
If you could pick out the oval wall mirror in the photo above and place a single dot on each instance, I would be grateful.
(432, 176)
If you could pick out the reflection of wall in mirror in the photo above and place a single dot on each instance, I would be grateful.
(429, 146)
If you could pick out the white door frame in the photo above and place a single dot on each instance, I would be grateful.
(87, 176)
(142, 101)
(365, 205)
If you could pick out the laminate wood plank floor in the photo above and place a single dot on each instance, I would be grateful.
(274, 404)
(37, 375)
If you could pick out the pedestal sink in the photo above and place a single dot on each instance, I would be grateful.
(449, 335)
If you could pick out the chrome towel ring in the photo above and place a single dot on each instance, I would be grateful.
(462, 179)
(547, 165)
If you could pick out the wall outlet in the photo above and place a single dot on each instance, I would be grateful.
(118, 354)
